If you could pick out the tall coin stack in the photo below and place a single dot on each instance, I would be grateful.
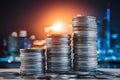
(84, 45)
(58, 53)
(32, 62)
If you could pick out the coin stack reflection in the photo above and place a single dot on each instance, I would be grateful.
(58, 53)
(84, 45)
(32, 62)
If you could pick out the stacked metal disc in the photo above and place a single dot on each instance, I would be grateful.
(32, 62)
(84, 44)
(58, 53)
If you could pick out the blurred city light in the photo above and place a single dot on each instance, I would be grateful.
(59, 27)
(114, 36)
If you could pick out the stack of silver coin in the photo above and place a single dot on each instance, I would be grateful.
(84, 44)
(32, 62)
(58, 53)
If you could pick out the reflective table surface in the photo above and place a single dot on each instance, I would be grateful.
(16, 72)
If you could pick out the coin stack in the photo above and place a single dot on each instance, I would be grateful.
(32, 62)
(84, 44)
(58, 53)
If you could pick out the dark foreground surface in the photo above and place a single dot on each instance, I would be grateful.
(103, 74)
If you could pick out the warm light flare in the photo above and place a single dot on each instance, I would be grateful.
(57, 26)
(78, 15)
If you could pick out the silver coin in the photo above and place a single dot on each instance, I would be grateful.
(33, 64)
(86, 45)
(84, 42)
(83, 28)
(83, 20)
(58, 64)
(85, 55)
(53, 64)
(58, 59)
(57, 41)
(84, 38)
(58, 36)
(58, 46)
(27, 71)
(32, 61)
(84, 68)
(32, 50)
(87, 33)
(86, 62)
(32, 79)
(85, 24)
(60, 68)
(32, 54)
(80, 47)
(92, 25)
(59, 49)
(84, 59)
(85, 65)
(84, 49)
(78, 60)
(59, 53)
(32, 67)
(37, 57)
(31, 72)
(68, 76)
(31, 58)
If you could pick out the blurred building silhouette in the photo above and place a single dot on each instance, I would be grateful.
(108, 42)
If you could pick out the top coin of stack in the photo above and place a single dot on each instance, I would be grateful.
(58, 53)
(84, 44)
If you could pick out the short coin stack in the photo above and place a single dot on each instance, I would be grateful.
(84, 44)
(32, 62)
(58, 53)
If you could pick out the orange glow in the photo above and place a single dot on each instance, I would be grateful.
(45, 18)
(57, 27)
(39, 42)
(79, 15)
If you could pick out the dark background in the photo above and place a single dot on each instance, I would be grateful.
(35, 15)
